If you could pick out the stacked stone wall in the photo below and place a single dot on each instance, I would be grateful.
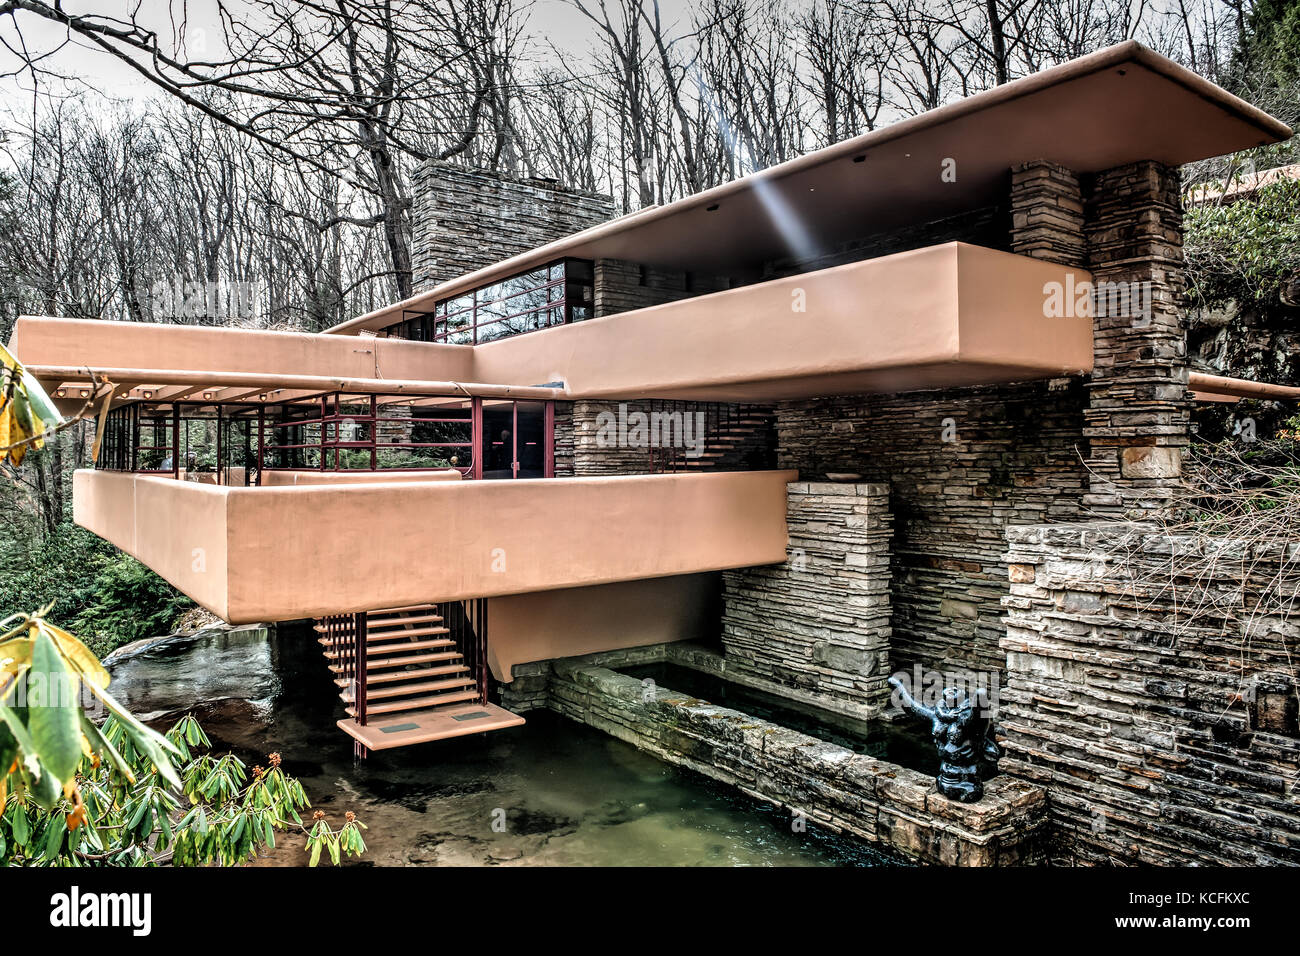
(961, 466)
(817, 627)
(1151, 690)
(1138, 419)
(1047, 213)
(467, 219)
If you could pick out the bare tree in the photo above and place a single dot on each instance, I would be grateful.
(847, 60)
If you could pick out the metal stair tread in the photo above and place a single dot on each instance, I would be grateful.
(373, 650)
(396, 676)
(405, 690)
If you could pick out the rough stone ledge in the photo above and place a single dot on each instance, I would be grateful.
(884, 803)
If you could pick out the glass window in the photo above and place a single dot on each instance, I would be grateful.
(154, 433)
(552, 295)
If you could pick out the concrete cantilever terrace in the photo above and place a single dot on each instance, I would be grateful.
(287, 552)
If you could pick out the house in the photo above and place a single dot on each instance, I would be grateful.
(799, 413)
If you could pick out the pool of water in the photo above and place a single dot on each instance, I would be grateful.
(906, 743)
(549, 793)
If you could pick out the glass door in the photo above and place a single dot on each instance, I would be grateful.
(530, 440)
(236, 444)
(515, 439)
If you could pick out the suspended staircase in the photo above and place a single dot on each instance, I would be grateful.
(410, 675)
(735, 437)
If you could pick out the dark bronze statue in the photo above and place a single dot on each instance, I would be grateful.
(963, 736)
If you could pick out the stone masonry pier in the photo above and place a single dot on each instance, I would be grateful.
(816, 628)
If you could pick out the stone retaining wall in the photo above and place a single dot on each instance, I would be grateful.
(817, 627)
(1159, 715)
(895, 808)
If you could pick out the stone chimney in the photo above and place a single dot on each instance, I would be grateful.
(466, 219)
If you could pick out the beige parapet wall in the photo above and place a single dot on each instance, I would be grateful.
(179, 529)
(97, 345)
(945, 315)
(282, 553)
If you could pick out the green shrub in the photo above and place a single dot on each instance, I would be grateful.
(1245, 250)
(111, 598)
(129, 602)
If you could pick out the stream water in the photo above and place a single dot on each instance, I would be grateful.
(552, 792)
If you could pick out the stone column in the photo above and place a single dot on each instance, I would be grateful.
(1137, 420)
(1047, 213)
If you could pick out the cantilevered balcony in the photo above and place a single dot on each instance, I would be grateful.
(282, 553)
(947, 315)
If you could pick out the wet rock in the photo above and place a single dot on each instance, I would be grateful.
(525, 822)
(425, 850)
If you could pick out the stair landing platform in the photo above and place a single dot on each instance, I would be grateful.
(406, 729)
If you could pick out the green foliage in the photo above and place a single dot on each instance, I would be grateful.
(1244, 250)
(1271, 41)
(112, 598)
(124, 813)
(47, 680)
(59, 570)
(127, 602)
(74, 792)
(389, 459)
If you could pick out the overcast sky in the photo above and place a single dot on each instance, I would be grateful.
(553, 21)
